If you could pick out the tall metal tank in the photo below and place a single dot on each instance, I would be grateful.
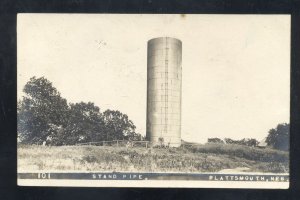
(164, 91)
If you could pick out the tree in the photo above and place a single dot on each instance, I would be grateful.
(118, 126)
(244, 141)
(229, 141)
(41, 107)
(85, 124)
(251, 142)
(215, 140)
(44, 116)
(279, 137)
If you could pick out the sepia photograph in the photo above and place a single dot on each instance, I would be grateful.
(153, 100)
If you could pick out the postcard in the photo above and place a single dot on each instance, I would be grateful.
(153, 100)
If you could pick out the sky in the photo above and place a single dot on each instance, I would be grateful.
(235, 68)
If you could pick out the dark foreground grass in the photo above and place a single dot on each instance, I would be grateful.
(200, 158)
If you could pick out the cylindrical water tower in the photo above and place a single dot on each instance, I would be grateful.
(164, 91)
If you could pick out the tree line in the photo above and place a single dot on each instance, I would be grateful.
(277, 138)
(46, 117)
(244, 141)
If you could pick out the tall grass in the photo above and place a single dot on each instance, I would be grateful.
(203, 158)
(242, 151)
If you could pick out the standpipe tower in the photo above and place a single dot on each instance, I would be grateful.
(164, 91)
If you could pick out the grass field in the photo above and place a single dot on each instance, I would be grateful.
(200, 158)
